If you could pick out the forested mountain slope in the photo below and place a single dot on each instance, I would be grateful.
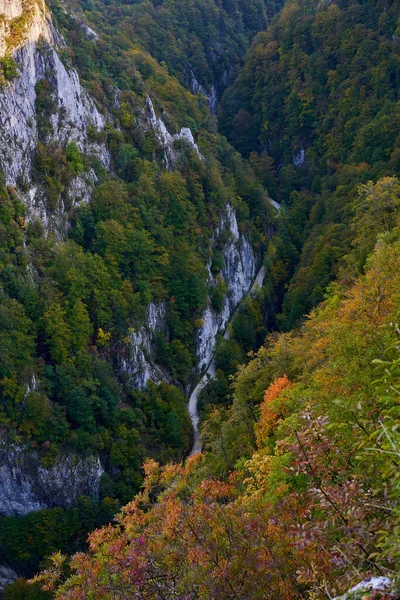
(316, 107)
(131, 232)
(297, 494)
(201, 42)
(128, 224)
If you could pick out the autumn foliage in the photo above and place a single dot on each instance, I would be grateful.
(272, 408)
(310, 505)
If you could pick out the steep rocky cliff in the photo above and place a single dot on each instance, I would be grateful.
(238, 272)
(46, 116)
(72, 111)
(139, 363)
(166, 140)
(27, 485)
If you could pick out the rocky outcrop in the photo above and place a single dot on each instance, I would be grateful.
(27, 485)
(369, 588)
(74, 111)
(80, 188)
(211, 96)
(7, 576)
(238, 273)
(299, 158)
(166, 140)
(210, 371)
(139, 363)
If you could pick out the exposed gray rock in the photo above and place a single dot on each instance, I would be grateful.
(79, 17)
(26, 485)
(166, 140)
(139, 363)
(238, 272)
(299, 158)
(7, 576)
(89, 32)
(80, 189)
(275, 204)
(213, 323)
(207, 377)
(197, 88)
(381, 584)
(239, 260)
(75, 111)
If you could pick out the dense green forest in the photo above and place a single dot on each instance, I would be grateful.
(296, 494)
(69, 305)
(315, 109)
(203, 37)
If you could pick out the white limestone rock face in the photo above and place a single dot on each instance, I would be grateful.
(166, 140)
(239, 260)
(211, 96)
(26, 485)
(213, 323)
(373, 584)
(75, 112)
(275, 204)
(238, 272)
(7, 576)
(299, 158)
(11, 9)
(80, 189)
(139, 362)
(89, 33)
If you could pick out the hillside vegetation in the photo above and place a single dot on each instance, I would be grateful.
(70, 302)
(68, 307)
(297, 492)
(315, 107)
(297, 495)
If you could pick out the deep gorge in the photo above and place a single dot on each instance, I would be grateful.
(199, 251)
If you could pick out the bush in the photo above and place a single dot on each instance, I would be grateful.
(8, 68)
